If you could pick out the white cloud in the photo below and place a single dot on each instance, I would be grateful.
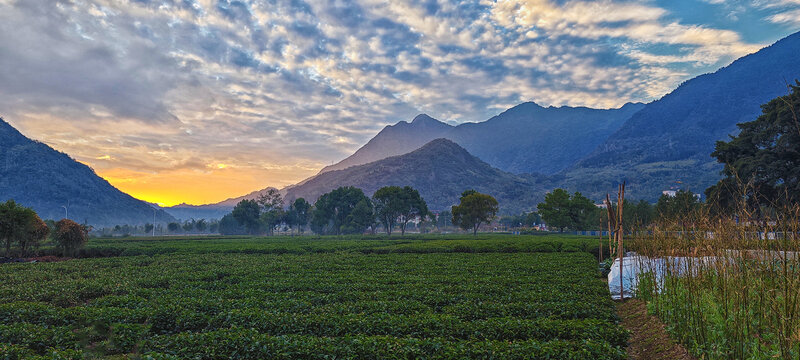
(159, 84)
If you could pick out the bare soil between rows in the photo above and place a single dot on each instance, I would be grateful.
(649, 338)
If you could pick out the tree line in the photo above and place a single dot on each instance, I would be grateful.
(562, 211)
(347, 210)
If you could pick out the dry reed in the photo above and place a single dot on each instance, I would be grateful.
(727, 287)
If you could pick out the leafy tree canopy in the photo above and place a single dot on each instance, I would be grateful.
(270, 200)
(21, 226)
(247, 213)
(333, 210)
(762, 162)
(561, 211)
(70, 236)
(682, 204)
(473, 210)
(299, 214)
(394, 205)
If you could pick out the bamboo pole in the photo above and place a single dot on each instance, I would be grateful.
(611, 228)
(620, 249)
(600, 241)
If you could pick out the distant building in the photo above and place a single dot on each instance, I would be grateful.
(601, 205)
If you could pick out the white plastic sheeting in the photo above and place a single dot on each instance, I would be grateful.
(634, 265)
(630, 273)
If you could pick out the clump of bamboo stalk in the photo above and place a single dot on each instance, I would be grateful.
(727, 285)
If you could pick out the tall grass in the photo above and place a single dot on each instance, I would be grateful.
(731, 283)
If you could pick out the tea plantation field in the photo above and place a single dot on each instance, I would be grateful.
(497, 297)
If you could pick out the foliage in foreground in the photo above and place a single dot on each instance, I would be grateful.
(731, 290)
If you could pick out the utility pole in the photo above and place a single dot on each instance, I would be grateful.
(154, 222)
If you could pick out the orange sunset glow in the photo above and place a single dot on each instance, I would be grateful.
(196, 187)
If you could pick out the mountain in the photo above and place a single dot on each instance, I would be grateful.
(197, 212)
(440, 170)
(393, 140)
(37, 176)
(527, 138)
(210, 211)
(669, 142)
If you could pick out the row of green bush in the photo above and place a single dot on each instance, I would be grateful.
(460, 303)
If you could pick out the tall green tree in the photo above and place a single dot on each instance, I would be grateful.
(412, 207)
(229, 225)
(560, 210)
(396, 205)
(331, 214)
(270, 200)
(272, 213)
(248, 213)
(582, 212)
(762, 162)
(201, 225)
(272, 218)
(387, 206)
(634, 214)
(299, 214)
(673, 207)
(21, 226)
(188, 225)
(473, 210)
(555, 210)
(361, 218)
(644, 212)
(532, 218)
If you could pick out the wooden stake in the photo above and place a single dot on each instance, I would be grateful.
(600, 241)
(611, 227)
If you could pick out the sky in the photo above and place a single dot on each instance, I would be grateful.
(198, 101)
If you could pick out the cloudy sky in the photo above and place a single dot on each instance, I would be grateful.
(200, 100)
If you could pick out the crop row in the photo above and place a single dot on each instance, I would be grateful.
(484, 243)
(451, 305)
(249, 344)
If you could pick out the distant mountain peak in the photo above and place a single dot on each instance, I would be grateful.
(441, 143)
(440, 170)
(526, 138)
(672, 138)
(423, 118)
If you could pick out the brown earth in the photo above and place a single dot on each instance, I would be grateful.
(649, 339)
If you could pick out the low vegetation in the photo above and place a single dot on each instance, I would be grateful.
(725, 275)
(343, 298)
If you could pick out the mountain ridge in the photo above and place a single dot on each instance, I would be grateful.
(440, 170)
(668, 143)
(512, 141)
(37, 176)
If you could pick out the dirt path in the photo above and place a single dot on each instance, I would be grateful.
(649, 340)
